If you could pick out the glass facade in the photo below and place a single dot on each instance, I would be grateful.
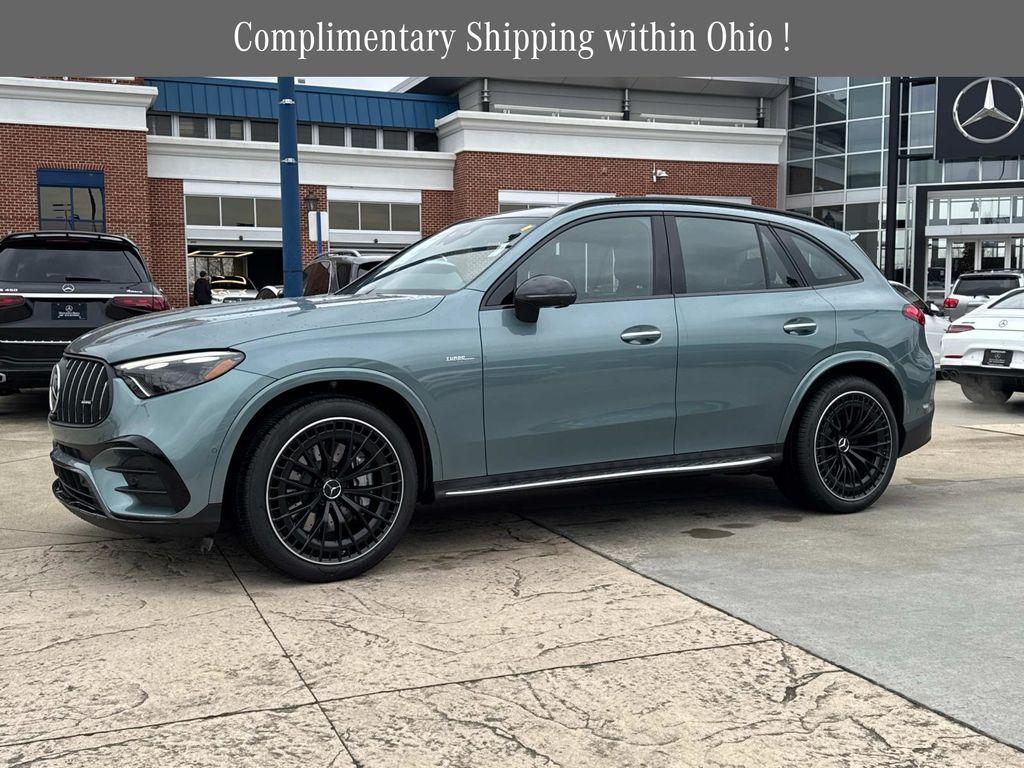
(836, 158)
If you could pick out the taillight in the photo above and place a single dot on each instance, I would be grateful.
(141, 303)
(950, 303)
(8, 301)
(913, 313)
(959, 328)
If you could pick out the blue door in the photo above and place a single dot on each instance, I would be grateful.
(595, 381)
(750, 330)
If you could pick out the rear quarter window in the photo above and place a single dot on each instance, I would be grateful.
(1013, 301)
(819, 265)
(65, 265)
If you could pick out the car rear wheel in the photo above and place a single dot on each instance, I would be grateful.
(842, 449)
(979, 390)
(328, 489)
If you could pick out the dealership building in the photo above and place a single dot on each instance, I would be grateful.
(189, 167)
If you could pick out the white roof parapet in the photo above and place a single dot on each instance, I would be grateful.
(74, 103)
(586, 137)
(258, 162)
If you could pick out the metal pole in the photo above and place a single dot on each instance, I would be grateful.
(319, 235)
(892, 177)
(291, 250)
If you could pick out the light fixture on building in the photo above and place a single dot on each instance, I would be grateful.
(658, 173)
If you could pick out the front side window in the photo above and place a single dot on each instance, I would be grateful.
(609, 258)
(821, 267)
(449, 260)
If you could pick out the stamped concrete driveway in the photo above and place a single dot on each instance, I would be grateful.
(485, 639)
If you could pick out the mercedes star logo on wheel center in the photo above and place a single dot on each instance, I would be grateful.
(997, 118)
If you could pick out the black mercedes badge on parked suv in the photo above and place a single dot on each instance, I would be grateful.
(55, 286)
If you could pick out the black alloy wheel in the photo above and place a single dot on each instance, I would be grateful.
(334, 490)
(328, 489)
(842, 447)
(853, 445)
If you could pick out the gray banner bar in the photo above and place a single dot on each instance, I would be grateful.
(526, 37)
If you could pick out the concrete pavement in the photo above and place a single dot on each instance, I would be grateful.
(485, 639)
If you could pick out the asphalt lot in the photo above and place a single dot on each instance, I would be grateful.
(678, 623)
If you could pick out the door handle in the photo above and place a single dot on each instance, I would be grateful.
(800, 326)
(640, 334)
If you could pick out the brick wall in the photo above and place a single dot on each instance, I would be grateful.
(168, 248)
(479, 176)
(435, 210)
(121, 155)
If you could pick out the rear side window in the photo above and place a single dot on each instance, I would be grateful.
(68, 265)
(722, 256)
(820, 266)
(986, 285)
(1013, 301)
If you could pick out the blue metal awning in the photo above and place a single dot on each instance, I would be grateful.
(218, 97)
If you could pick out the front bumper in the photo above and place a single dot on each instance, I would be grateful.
(148, 467)
(25, 375)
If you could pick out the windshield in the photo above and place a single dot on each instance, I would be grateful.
(985, 285)
(449, 260)
(69, 265)
(1014, 301)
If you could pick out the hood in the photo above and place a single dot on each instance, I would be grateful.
(222, 326)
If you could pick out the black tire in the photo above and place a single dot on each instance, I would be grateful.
(984, 392)
(327, 490)
(827, 470)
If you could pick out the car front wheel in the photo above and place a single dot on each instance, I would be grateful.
(328, 489)
(842, 449)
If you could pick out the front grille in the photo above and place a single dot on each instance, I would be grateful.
(84, 396)
(71, 488)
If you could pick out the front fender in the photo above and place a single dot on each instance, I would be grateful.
(280, 386)
(820, 370)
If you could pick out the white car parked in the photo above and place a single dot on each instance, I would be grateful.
(934, 321)
(984, 350)
(231, 288)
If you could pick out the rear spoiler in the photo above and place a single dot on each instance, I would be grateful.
(56, 236)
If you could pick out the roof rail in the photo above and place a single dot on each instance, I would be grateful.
(690, 201)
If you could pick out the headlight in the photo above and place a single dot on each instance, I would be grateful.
(169, 373)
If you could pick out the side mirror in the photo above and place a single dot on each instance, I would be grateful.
(935, 309)
(542, 291)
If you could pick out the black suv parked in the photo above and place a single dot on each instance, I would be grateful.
(55, 286)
